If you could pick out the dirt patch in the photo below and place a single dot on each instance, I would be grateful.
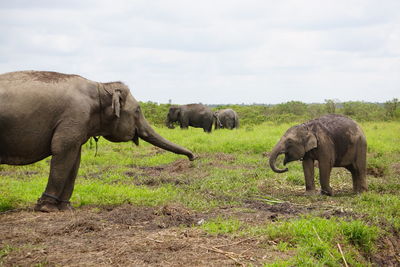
(180, 172)
(176, 215)
(279, 210)
(224, 157)
(396, 168)
(176, 167)
(129, 235)
(388, 253)
(177, 172)
(376, 171)
(124, 236)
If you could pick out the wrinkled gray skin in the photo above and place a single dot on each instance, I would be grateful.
(195, 115)
(49, 113)
(226, 119)
(332, 140)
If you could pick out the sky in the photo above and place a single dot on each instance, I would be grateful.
(213, 51)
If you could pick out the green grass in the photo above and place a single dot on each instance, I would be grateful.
(313, 240)
(231, 170)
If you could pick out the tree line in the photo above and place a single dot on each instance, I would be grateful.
(292, 111)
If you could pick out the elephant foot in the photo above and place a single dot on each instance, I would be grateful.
(46, 205)
(311, 192)
(327, 192)
(360, 189)
(49, 203)
(65, 206)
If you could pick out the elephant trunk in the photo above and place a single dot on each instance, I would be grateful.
(277, 150)
(149, 135)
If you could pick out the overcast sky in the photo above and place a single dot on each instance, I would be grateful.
(217, 51)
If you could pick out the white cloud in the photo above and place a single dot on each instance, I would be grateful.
(213, 51)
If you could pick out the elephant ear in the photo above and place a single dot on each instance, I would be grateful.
(310, 142)
(116, 102)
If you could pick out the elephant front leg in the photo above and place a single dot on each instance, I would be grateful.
(63, 166)
(308, 169)
(324, 178)
(69, 185)
(184, 123)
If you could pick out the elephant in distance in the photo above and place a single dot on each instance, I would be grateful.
(226, 119)
(195, 115)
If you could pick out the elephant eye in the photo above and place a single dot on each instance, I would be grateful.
(137, 110)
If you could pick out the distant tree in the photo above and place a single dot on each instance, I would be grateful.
(330, 106)
(292, 107)
(363, 111)
(391, 107)
(316, 110)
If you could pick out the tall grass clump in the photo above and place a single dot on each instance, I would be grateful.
(316, 240)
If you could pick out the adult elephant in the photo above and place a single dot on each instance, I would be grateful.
(50, 113)
(332, 140)
(226, 118)
(195, 115)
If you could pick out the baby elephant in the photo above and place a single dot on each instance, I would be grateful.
(334, 141)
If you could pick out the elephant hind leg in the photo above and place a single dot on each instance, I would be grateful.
(358, 176)
(358, 168)
(207, 127)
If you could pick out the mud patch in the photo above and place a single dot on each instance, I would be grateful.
(388, 253)
(80, 226)
(129, 215)
(396, 168)
(376, 171)
(151, 218)
(224, 157)
(176, 215)
(178, 172)
(275, 211)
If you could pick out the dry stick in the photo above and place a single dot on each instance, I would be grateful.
(341, 252)
(232, 244)
(225, 253)
(155, 240)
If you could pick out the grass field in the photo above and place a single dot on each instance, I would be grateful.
(230, 183)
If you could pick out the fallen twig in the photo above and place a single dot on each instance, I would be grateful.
(270, 200)
(155, 240)
(341, 252)
(232, 244)
(226, 253)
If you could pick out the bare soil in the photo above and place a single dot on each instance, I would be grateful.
(128, 235)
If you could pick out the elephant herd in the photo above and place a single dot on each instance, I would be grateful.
(200, 116)
(53, 114)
